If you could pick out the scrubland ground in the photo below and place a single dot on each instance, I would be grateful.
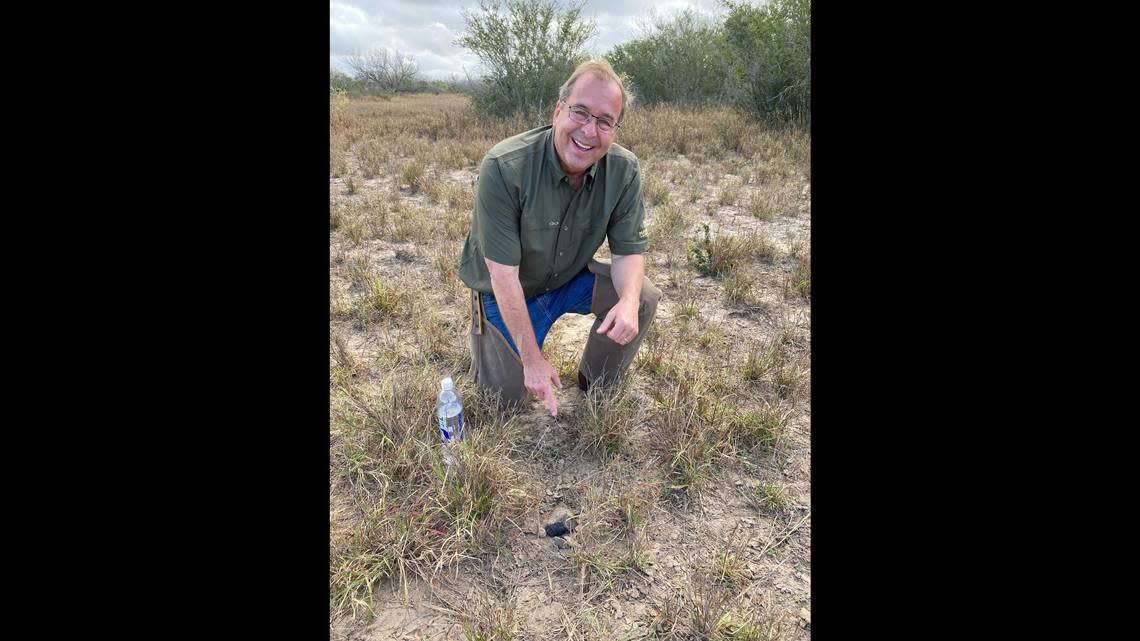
(690, 483)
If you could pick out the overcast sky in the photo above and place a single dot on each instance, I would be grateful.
(427, 29)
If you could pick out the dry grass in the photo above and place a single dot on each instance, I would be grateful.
(655, 191)
(740, 287)
(798, 284)
(729, 194)
(416, 516)
(382, 299)
(719, 254)
(609, 418)
(488, 619)
(412, 176)
(668, 221)
(770, 496)
(711, 395)
(777, 366)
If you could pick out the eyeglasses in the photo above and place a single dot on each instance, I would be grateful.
(581, 116)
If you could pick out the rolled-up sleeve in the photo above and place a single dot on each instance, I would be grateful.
(626, 231)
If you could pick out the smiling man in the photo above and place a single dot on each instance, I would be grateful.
(547, 199)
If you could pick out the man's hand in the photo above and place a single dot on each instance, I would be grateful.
(621, 323)
(540, 379)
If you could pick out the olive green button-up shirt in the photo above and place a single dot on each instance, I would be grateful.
(526, 213)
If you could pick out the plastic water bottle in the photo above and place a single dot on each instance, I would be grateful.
(449, 411)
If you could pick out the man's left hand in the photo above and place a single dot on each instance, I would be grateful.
(621, 323)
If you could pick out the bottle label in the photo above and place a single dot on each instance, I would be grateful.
(443, 431)
(454, 431)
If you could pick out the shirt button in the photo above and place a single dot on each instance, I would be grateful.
(565, 229)
(559, 253)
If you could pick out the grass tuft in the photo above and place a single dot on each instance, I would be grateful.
(798, 284)
(770, 496)
(740, 287)
(413, 176)
(718, 255)
(669, 221)
(381, 301)
(656, 191)
(486, 619)
(757, 429)
(609, 418)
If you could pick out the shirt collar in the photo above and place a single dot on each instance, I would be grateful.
(557, 174)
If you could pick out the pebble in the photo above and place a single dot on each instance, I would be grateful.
(561, 543)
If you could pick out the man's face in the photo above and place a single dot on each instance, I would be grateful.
(581, 145)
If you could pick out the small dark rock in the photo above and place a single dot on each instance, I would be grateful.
(557, 528)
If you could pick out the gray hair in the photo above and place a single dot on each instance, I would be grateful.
(599, 68)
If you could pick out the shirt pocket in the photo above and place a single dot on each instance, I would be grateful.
(591, 230)
(538, 231)
(537, 237)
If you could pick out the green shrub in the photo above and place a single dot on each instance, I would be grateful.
(529, 47)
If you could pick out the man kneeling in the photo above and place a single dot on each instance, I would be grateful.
(546, 200)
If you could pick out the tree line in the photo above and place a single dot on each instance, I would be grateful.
(377, 71)
(756, 57)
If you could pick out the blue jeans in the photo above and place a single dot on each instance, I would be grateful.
(575, 297)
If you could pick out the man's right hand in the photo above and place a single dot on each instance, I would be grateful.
(540, 379)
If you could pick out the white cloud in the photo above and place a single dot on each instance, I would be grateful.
(427, 29)
(346, 15)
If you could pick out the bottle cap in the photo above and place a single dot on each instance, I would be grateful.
(446, 384)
